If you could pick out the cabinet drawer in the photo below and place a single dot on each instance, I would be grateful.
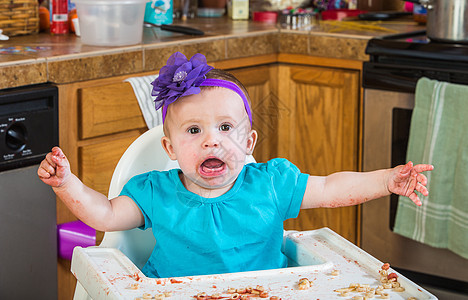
(97, 162)
(108, 109)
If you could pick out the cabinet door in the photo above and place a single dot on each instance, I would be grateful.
(320, 134)
(98, 161)
(108, 109)
(260, 83)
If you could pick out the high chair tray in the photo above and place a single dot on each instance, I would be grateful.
(329, 261)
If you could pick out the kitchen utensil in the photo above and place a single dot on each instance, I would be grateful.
(446, 20)
(176, 28)
(382, 15)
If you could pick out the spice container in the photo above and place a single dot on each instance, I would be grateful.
(298, 18)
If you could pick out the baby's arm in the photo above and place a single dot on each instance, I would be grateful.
(351, 188)
(88, 205)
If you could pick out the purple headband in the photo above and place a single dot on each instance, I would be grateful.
(181, 77)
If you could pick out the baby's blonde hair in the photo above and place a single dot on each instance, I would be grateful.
(224, 75)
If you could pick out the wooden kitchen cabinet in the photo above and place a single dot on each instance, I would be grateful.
(320, 134)
(108, 109)
(98, 161)
(309, 115)
(260, 82)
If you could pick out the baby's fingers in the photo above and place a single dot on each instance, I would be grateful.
(406, 169)
(423, 168)
(59, 158)
(422, 179)
(422, 189)
(47, 167)
(414, 197)
(60, 161)
(43, 173)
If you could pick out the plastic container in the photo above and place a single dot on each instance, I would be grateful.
(341, 14)
(269, 17)
(210, 12)
(111, 22)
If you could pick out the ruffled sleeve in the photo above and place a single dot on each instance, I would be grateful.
(140, 189)
(289, 185)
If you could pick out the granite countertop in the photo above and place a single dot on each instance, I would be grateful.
(41, 58)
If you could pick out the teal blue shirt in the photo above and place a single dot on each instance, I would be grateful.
(241, 230)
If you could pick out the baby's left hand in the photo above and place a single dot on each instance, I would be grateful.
(404, 180)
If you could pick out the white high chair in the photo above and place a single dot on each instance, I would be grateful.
(315, 251)
(143, 155)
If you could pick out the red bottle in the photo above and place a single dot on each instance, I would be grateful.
(59, 23)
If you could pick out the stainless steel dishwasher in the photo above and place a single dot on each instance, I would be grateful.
(28, 234)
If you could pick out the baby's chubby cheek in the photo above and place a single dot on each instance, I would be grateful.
(186, 152)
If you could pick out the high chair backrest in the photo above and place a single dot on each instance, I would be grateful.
(144, 154)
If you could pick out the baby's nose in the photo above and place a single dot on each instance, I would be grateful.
(211, 141)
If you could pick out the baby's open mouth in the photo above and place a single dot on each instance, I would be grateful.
(212, 167)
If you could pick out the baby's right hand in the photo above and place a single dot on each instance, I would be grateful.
(55, 168)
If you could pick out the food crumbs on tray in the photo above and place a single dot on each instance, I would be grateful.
(244, 293)
(175, 280)
(134, 286)
(388, 281)
(136, 277)
(304, 284)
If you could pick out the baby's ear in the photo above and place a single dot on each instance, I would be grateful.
(251, 142)
(167, 146)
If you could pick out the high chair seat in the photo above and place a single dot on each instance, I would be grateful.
(143, 155)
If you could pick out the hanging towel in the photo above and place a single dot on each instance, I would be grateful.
(142, 88)
(439, 136)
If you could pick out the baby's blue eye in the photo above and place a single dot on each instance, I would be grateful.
(225, 127)
(193, 130)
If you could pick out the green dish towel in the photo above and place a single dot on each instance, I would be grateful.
(439, 136)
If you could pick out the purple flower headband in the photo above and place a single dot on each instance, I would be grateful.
(181, 77)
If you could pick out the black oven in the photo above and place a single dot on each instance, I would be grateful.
(396, 63)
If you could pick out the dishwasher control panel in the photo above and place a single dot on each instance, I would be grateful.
(28, 124)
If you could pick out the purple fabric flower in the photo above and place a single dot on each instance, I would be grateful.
(179, 77)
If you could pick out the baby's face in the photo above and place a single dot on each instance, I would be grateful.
(209, 134)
